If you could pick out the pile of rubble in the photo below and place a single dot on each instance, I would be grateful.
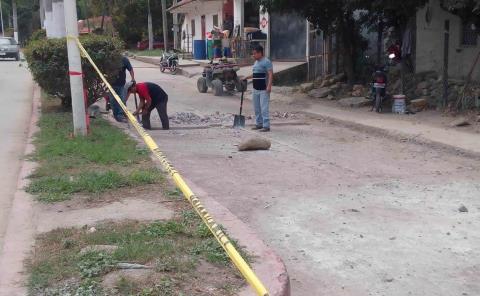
(333, 87)
(189, 118)
(423, 90)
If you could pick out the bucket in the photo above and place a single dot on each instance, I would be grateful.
(399, 104)
(199, 50)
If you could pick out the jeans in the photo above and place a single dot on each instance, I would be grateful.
(261, 101)
(122, 93)
(162, 112)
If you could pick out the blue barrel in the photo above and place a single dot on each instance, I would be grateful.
(227, 52)
(199, 50)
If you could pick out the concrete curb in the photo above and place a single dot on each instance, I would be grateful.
(268, 266)
(396, 135)
(20, 233)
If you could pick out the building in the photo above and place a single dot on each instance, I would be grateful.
(463, 42)
(284, 37)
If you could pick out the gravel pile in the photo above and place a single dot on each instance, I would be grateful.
(189, 118)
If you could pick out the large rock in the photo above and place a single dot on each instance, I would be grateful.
(306, 87)
(420, 104)
(320, 93)
(358, 87)
(423, 85)
(339, 78)
(255, 144)
(355, 102)
(459, 122)
(99, 248)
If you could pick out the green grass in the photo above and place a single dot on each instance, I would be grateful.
(173, 247)
(105, 160)
(148, 53)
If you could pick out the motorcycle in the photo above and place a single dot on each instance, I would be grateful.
(379, 86)
(169, 61)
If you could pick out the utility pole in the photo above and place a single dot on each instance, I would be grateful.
(150, 28)
(165, 29)
(75, 69)
(42, 14)
(176, 29)
(15, 20)
(1, 19)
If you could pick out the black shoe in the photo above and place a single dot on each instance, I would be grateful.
(257, 127)
(264, 130)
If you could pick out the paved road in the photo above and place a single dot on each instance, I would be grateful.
(351, 213)
(15, 98)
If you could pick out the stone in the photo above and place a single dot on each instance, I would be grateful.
(357, 93)
(459, 122)
(331, 98)
(355, 102)
(320, 92)
(122, 265)
(420, 104)
(93, 111)
(478, 118)
(358, 87)
(463, 209)
(255, 144)
(423, 85)
(339, 78)
(306, 87)
(98, 248)
(325, 83)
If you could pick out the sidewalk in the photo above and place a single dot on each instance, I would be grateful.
(400, 126)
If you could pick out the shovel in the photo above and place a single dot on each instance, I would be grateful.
(239, 120)
(136, 106)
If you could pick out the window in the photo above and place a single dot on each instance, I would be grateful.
(193, 28)
(215, 20)
(469, 34)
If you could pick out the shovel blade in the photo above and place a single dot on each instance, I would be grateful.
(239, 121)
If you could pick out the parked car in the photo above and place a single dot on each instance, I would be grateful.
(9, 48)
(142, 45)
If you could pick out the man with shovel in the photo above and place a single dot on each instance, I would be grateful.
(262, 86)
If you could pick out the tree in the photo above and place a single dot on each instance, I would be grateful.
(345, 18)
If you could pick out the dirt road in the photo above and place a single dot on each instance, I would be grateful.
(16, 98)
(351, 213)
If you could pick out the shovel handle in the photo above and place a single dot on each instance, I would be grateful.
(241, 103)
(136, 105)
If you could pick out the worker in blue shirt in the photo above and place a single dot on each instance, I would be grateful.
(262, 87)
(118, 86)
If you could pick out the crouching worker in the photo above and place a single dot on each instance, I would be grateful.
(152, 97)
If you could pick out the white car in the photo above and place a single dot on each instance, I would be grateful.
(9, 48)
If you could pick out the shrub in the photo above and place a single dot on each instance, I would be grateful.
(48, 62)
(38, 35)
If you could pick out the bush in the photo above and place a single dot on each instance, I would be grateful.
(38, 35)
(48, 62)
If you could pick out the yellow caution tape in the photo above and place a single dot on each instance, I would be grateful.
(215, 229)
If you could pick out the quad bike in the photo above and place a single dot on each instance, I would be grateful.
(169, 61)
(218, 76)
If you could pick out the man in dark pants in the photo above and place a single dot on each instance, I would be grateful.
(151, 96)
(118, 86)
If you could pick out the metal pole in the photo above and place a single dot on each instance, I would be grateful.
(75, 70)
(1, 19)
(15, 20)
(445, 64)
(150, 28)
(164, 21)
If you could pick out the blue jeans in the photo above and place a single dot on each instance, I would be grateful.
(261, 101)
(122, 93)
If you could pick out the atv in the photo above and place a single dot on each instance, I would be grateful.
(218, 76)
